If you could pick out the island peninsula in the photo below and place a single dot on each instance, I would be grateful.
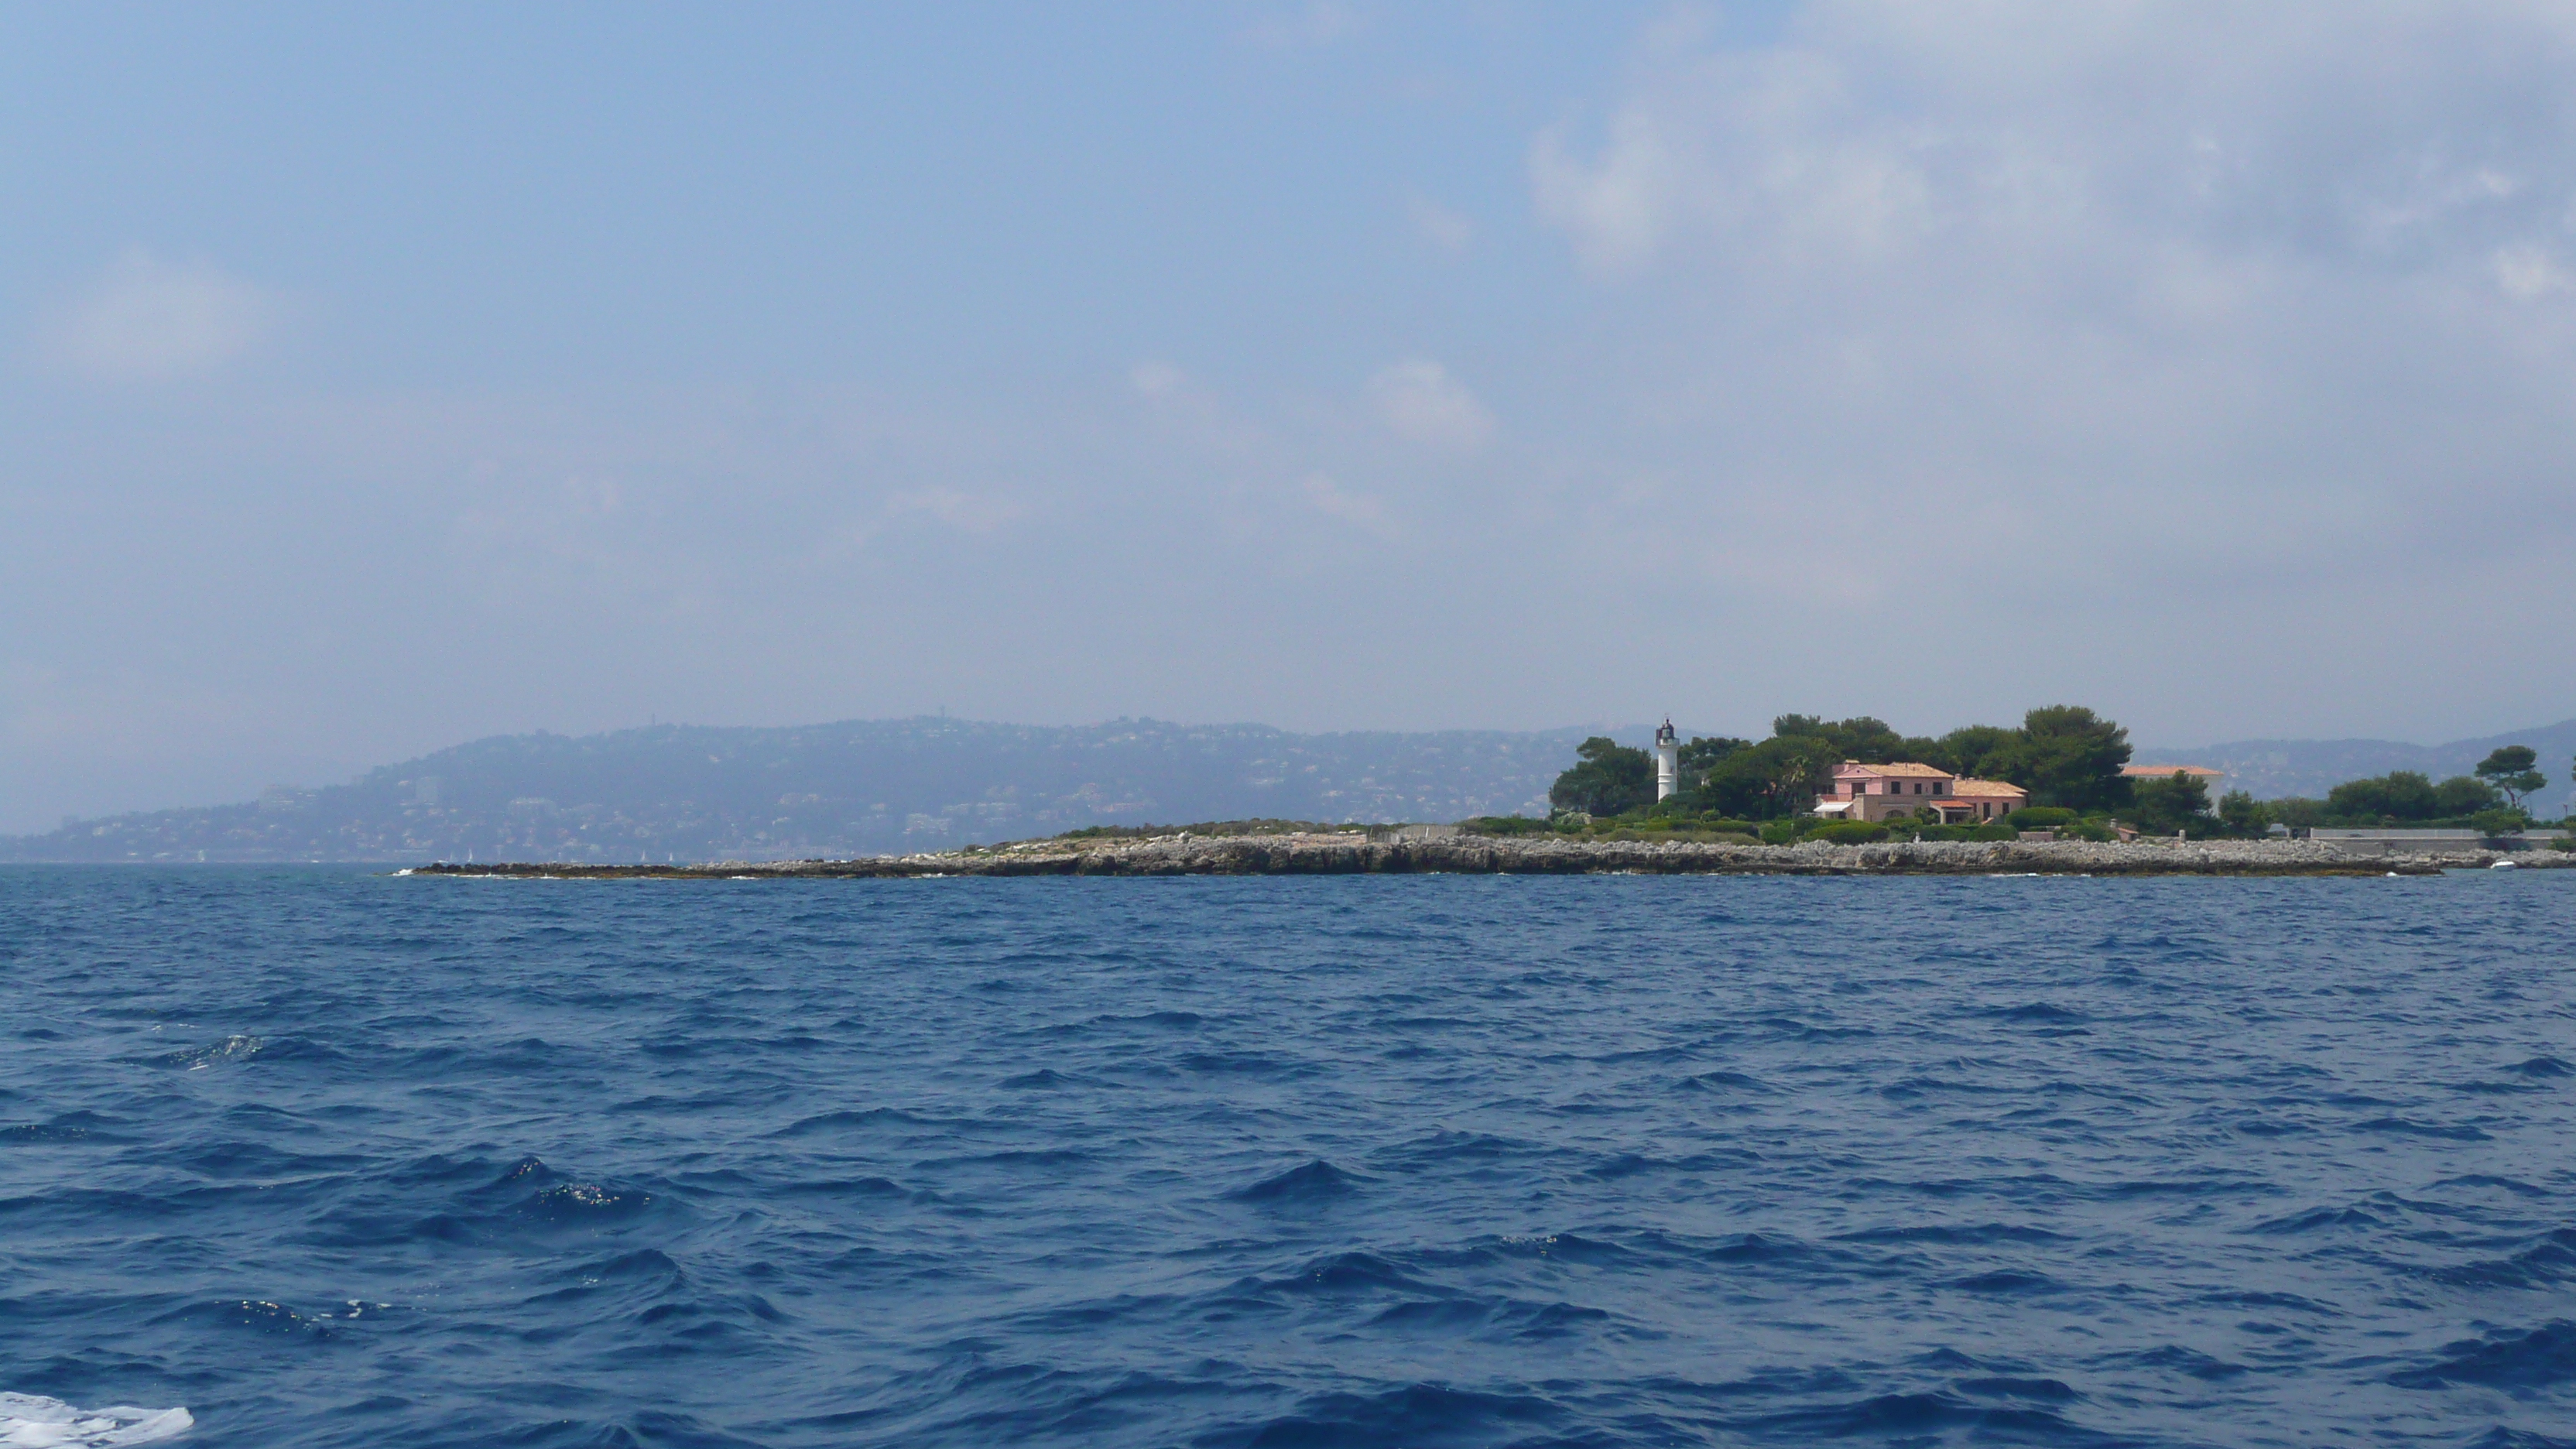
(1354, 852)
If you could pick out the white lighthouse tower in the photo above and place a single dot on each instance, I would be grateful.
(1668, 761)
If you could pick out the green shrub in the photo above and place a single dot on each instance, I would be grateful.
(1503, 825)
(2242, 816)
(2085, 830)
(1849, 832)
(1263, 826)
(2295, 811)
(2492, 823)
(2040, 817)
(1779, 832)
(1994, 830)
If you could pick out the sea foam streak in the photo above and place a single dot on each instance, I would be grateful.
(29, 1421)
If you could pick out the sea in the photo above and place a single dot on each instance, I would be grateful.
(332, 1156)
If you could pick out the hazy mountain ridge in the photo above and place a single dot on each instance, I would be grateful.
(876, 786)
(855, 787)
(2270, 769)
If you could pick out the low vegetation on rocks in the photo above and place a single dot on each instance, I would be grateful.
(1344, 852)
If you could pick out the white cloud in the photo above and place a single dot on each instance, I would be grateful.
(1882, 132)
(1448, 230)
(1156, 379)
(1613, 205)
(1422, 403)
(2526, 272)
(1330, 498)
(1321, 22)
(965, 512)
(147, 318)
(2088, 262)
(2189, 309)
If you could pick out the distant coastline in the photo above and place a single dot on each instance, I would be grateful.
(869, 787)
(1352, 853)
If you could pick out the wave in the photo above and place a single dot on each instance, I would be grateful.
(31, 1421)
(2517, 1362)
(655, 1167)
(1316, 1182)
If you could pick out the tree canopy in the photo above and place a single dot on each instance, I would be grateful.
(2172, 804)
(1974, 751)
(2241, 815)
(1608, 778)
(2461, 796)
(2063, 754)
(2397, 795)
(1861, 738)
(2400, 797)
(2067, 755)
(1780, 776)
(2509, 769)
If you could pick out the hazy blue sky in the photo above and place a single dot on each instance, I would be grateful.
(380, 378)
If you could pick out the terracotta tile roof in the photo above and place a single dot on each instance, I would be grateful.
(2158, 772)
(1898, 769)
(1990, 789)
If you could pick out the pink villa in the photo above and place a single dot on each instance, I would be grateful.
(1876, 792)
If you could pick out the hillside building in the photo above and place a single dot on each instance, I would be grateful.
(1903, 788)
(2202, 773)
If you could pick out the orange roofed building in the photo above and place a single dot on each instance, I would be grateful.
(1877, 792)
(2202, 773)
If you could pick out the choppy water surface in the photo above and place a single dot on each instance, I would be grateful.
(329, 1158)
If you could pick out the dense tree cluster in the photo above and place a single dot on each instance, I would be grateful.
(2488, 799)
(2063, 755)
(2066, 756)
(1608, 778)
(2407, 795)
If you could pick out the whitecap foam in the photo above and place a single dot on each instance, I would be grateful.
(31, 1421)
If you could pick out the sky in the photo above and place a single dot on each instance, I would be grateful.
(378, 378)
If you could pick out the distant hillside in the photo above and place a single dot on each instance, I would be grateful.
(875, 786)
(859, 787)
(2271, 769)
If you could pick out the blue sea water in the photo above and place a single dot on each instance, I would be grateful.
(332, 1158)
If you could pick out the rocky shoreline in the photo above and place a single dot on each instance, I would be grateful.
(1349, 853)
